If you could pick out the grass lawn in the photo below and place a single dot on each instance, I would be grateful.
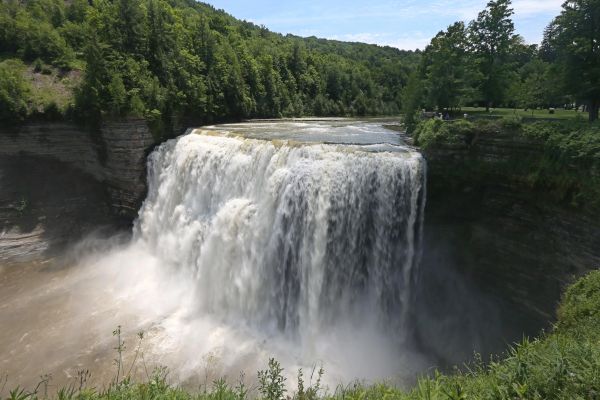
(559, 113)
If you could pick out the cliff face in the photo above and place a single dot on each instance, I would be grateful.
(513, 245)
(115, 156)
(60, 181)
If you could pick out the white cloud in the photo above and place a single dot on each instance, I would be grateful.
(408, 24)
(407, 41)
(535, 7)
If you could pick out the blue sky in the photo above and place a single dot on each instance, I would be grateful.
(406, 24)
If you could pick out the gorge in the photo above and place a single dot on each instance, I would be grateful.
(311, 240)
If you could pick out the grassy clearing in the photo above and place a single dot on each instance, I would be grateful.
(562, 364)
(559, 113)
(50, 87)
(34, 91)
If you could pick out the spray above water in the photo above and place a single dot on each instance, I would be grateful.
(286, 238)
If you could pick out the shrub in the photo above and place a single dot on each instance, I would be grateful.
(38, 65)
(271, 381)
(511, 122)
(15, 92)
(436, 131)
(580, 306)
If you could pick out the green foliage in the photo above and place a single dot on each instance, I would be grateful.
(447, 69)
(491, 35)
(571, 40)
(15, 91)
(188, 59)
(511, 122)
(271, 381)
(536, 86)
(412, 96)
(579, 307)
(312, 391)
(486, 63)
(435, 131)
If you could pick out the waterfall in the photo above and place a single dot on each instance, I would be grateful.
(285, 236)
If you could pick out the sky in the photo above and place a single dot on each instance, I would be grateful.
(405, 24)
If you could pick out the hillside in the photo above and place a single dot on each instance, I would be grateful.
(161, 59)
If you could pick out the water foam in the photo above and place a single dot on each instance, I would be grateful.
(287, 238)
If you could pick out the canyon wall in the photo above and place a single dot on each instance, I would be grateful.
(498, 250)
(59, 180)
(115, 155)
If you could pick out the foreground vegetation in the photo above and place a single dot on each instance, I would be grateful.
(562, 364)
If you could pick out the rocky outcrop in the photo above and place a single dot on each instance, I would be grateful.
(514, 245)
(59, 182)
(45, 205)
(115, 155)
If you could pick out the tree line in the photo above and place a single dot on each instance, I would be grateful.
(486, 63)
(164, 58)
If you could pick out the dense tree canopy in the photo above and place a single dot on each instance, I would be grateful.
(446, 67)
(573, 42)
(491, 36)
(183, 58)
(169, 59)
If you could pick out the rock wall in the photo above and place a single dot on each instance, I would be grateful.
(115, 156)
(45, 205)
(498, 251)
(59, 182)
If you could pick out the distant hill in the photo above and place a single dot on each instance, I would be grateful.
(166, 58)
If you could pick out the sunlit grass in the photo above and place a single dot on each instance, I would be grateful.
(559, 113)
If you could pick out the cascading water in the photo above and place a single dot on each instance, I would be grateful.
(289, 236)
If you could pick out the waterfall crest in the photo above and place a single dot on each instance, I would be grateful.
(284, 236)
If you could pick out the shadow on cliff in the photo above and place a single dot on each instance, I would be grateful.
(45, 206)
(494, 264)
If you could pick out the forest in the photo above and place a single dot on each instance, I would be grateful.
(164, 58)
(161, 59)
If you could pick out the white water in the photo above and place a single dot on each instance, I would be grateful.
(288, 239)
(248, 248)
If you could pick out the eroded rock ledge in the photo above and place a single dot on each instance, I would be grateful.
(60, 181)
(516, 244)
(115, 156)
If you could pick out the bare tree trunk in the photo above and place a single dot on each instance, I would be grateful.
(593, 110)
